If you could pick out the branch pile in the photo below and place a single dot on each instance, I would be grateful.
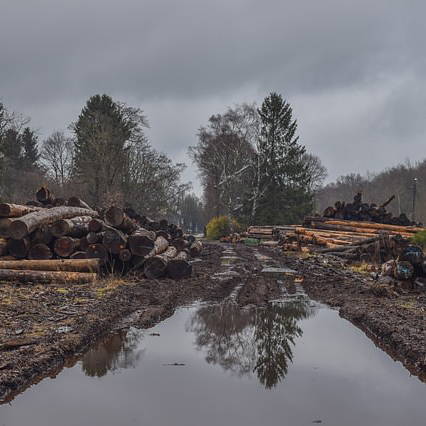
(52, 240)
(359, 211)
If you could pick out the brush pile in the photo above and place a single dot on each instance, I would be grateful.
(359, 211)
(52, 240)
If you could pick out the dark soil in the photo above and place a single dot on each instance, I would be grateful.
(44, 327)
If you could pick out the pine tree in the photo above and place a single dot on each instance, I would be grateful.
(101, 149)
(30, 155)
(283, 194)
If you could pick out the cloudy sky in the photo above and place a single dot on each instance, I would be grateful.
(354, 71)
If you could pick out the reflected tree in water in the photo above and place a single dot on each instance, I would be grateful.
(243, 341)
(116, 352)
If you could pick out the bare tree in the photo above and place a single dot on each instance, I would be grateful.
(57, 156)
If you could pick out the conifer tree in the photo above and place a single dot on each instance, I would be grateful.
(283, 194)
(30, 154)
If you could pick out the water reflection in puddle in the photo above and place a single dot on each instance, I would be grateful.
(291, 363)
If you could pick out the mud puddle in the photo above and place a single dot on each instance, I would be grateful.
(290, 363)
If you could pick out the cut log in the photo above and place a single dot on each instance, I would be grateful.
(71, 265)
(41, 235)
(39, 252)
(141, 242)
(195, 249)
(24, 225)
(16, 210)
(160, 246)
(66, 246)
(79, 255)
(3, 247)
(76, 227)
(179, 267)
(94, 237)
(96, 225)
(117, 218)
(18, 248)
(77, 202)
(114, 240)
(44, 196)
(156, 266)
(180, 243)
(4, 226)
(59, 202)
(46, 277)
(125, 255)
(84, 244)
(97, 251)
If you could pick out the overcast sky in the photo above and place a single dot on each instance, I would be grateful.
(354, 71)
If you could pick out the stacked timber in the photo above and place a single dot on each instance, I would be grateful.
(53, 239)
(351, 240)
(357, 210)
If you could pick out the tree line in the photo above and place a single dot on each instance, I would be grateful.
(253, 167)
(105, 158)
(407, 181)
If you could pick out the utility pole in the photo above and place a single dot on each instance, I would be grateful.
(414, 198)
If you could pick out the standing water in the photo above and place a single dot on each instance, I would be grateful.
(291, 363)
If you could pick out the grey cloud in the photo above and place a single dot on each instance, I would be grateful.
(180, 59)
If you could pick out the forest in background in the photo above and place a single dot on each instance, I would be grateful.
(251, 164)
(398, 180)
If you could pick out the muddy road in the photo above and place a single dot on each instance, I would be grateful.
(44, 328)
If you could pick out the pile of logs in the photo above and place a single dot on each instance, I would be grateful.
(359, 211)
(267, 232)
(53, 239)
(367, 241)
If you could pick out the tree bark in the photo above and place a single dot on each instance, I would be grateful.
(114, 240)
(117, 218)
(125, 255)
(22, 226)
(44, 196)
(195, 249)
(70, 265)
(179, 267)
(76, 227)
(141, 242)
(96, 225)
(77, 202)
(79, 255)
(46, 277)
(16, 210)
(156, 266)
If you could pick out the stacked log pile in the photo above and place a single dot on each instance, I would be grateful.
(52, 240)
(359, 211)
(366, 241)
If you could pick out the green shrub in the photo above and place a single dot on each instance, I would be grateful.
(419, 238)
(221, 226)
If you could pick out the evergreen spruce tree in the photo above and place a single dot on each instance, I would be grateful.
(11, 148)
(30, 155)
(101, 149)
(283, 178)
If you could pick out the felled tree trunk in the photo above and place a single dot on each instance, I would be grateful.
(3, 247)
(179, 267)
(114, 240)
(141, 242)
(125, 255)
(24, 225)
(96, 225)
(46, 277)
(39, 252)
(117, 218)
(71, 265)
(42, 236)
(77, 202)
(97, 251)
(195, 249)
(16, 210)
(156, 266)
(66, 246)
(79, 255)
(76, 227)
(44, 196)
(18, 248)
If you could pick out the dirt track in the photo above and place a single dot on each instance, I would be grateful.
(44, 326)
